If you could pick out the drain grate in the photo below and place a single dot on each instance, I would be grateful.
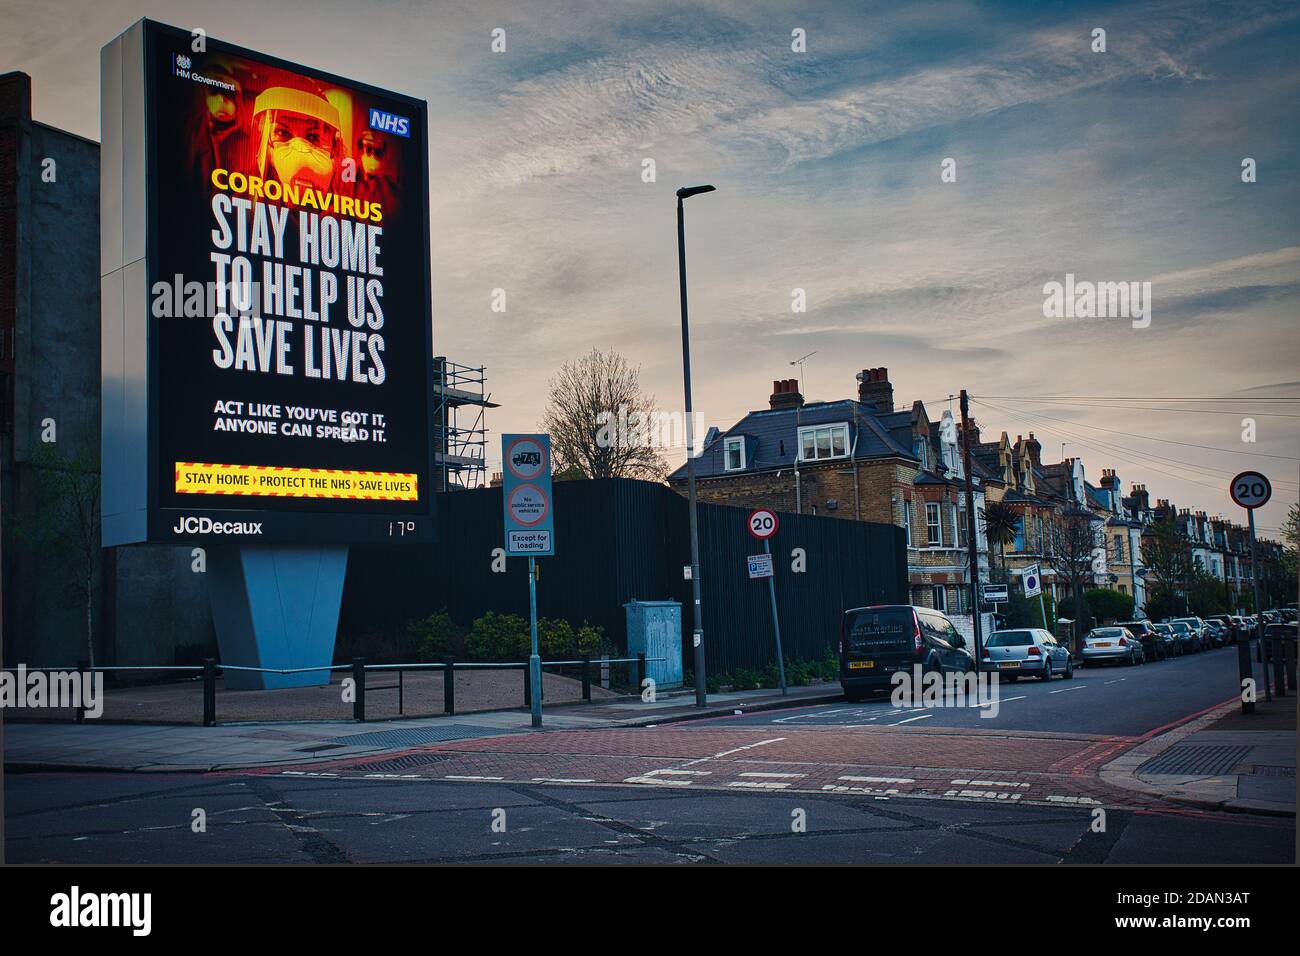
(1195, 760)
(406, 762)
(414, 736)
(1273, 770)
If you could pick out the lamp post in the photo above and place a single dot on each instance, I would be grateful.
(697, 632)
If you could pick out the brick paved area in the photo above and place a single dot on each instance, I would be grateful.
(885, 762)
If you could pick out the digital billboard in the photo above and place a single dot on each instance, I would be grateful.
(273, 382)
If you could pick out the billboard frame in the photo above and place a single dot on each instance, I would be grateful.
(129, 243)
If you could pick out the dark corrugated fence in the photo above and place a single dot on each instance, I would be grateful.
(620, 540)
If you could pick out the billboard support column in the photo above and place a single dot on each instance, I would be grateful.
(276, 606)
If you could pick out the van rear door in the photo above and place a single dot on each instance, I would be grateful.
(878, 639)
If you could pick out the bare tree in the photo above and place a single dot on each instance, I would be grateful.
(601, 422)
(1072, 546)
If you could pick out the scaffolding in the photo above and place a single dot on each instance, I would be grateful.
(459, 432)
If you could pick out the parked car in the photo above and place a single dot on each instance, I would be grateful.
(877, 641)
(1027, 652)
(1224, 621)
(1186, 637)
(1111, 645)
(1244, 628)
(1173, 646)
(1216, 635)
(1197, 627)
(1153, 645)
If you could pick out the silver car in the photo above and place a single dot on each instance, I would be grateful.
(1111, 645)
(1026, 652)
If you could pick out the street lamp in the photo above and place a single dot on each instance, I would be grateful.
(697, 633)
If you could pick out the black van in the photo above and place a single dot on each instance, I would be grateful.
(877, 641)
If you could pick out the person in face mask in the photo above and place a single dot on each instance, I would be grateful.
(300, 142)
(377, 175)
(217, 133)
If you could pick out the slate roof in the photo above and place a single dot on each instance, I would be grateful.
(875, 437)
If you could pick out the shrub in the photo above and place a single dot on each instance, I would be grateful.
(498, 637)
(1109, 606)
(436, 636)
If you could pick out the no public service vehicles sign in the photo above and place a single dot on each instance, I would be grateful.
(526, 493)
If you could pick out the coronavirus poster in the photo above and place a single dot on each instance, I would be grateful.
(289, 331)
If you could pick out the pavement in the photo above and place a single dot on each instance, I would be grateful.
(1221, 760)
(141, 747)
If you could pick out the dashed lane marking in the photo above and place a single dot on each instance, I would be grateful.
(879, 779)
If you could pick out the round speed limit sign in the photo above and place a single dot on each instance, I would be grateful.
(1250, 489)
(762, 523)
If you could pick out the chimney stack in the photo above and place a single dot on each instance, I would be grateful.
(786, 394)
(874, 389)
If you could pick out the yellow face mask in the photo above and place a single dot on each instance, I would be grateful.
(298, 161)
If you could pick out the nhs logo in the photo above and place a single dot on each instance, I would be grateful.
(390, 123)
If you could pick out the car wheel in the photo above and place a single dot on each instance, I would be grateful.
(1047, 670)
(853, 696)
(1069, 670)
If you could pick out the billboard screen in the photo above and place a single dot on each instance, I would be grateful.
(288, 329)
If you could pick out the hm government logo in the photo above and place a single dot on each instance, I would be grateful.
(197, 525)
(183, 62)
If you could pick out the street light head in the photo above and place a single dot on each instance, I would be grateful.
(687, 191)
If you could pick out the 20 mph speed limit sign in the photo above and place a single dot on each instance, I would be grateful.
(762, 523)
(1250, 490)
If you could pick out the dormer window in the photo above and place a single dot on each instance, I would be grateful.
(818, 442)
(733, 454)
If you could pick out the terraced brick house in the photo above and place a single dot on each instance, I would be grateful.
(854, 459)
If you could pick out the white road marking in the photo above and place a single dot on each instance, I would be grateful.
(991, 783)
(758, 773)
(1004, 700)
(693, 773)
(561, 780)
(1116, 680)
(659, 781)
(1054, 798)
(910, 719)
(734, 750)
(824, 713)
(878, 779)
(983, 794)
(1064, 689)
(759, 784)
(455, 776)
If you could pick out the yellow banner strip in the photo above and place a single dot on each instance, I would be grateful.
(202, 478)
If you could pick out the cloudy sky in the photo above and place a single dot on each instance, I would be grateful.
(1115, 166)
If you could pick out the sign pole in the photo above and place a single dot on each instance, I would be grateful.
(1251, 490)
(776, 624)
(1042, 609)
(972, 541)
(529, 519)
(534, 661)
